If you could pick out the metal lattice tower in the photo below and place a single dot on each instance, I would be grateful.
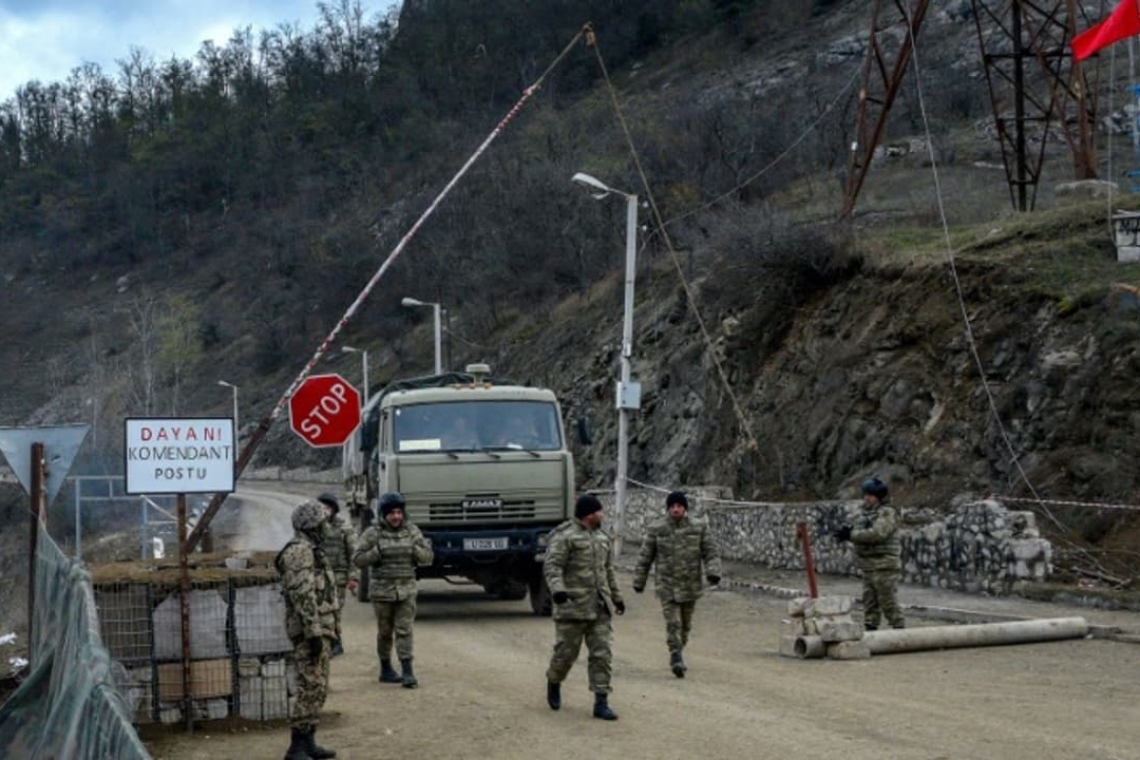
(1032, 77)
(1034, 81)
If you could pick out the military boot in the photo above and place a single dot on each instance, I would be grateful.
(602, 708)
(338, 648)
(388, 674)
(408, 679)
(554, 695)
(298, 749)
(677, 664)
(316, 752)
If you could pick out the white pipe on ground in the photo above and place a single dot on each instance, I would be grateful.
(976, 635)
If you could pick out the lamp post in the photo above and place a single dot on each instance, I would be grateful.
(237, 434)
(628, 393)
(364, 366)
(406, 301)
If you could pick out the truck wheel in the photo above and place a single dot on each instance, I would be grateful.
(540, 602)
(512, 590)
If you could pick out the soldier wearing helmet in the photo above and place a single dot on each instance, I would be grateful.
(876, 538)
(309, 588)
(392, 549)
(338, 542)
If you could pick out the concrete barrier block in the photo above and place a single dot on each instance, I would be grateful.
(259, 620)
(832, 630)
(829, 605)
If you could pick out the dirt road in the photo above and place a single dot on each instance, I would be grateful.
(481, 664)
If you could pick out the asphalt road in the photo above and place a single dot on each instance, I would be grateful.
(481, 666)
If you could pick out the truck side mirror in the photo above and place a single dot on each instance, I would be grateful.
(585, 431)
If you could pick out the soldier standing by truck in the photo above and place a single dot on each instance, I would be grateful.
(580, 573)
(307, 583)
(677, 546)
(338, 544)
(392, 549)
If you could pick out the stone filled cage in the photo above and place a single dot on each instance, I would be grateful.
(239, 652)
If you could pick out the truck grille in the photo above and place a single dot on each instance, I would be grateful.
(482, 510)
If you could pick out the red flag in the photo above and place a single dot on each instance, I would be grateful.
(1123, 22)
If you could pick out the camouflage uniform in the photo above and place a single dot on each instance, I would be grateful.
(677, 549)
(877, 549)
(579, 562)
(338, 542)
(392, 556)
(308, 586)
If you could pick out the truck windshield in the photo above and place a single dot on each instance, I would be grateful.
(477, 425)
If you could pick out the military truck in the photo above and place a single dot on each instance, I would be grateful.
(485, 470)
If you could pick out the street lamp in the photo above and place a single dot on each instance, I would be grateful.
(406, 301)
(237, 434)
(628, 394)
(364, 363)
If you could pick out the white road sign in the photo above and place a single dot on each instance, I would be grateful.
(168, 455)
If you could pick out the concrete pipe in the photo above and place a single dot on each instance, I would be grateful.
(809, 647)
(977, 635)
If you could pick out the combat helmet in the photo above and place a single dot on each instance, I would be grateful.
(330, 500)
(308, 516)
(875, 487)
(391, 500)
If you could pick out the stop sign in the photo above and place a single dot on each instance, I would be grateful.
(325, 410)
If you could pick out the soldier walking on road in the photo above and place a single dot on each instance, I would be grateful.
(580, 573)
(308, 585)
(876, 539)
(392, 549)
(677, 547)
(339, 543)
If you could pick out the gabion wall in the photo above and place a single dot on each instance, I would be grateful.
(979, 547)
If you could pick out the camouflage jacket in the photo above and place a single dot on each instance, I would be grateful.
(677, 549)
(309, 588)
(338, 543)
(392, 556)
(875, 535)
(579, 561)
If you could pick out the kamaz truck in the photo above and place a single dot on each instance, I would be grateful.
(485, 470)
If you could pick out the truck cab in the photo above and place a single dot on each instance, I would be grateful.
(484, 468)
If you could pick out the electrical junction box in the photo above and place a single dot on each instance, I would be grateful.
(628, 395)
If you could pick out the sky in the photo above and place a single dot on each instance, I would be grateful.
(46, 39)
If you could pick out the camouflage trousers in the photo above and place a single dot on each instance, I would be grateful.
(678, 623)
(568, 636)
(312, 684)
(880, 598)
(394, 621)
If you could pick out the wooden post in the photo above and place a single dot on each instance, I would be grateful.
(38, 517)
(184, 565)
(809, 563)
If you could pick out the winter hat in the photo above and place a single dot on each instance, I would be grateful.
(330, 500)
(586, 505)
(677, 497)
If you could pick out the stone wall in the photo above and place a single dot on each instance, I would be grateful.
(979, 547)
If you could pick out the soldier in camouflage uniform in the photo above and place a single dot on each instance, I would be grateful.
(877, 549)
(580, 573)
(308, 585)
(392, 549)
(677, 546)
(338, 543)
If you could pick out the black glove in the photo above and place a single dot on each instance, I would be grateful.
(619, 607)
(316, 644)
(843, 534)
(561, 597)
(713, 579)
(638, 589)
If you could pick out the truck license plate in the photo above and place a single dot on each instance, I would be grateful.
(484, 544)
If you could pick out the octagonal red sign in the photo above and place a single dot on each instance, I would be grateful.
(325, 410)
